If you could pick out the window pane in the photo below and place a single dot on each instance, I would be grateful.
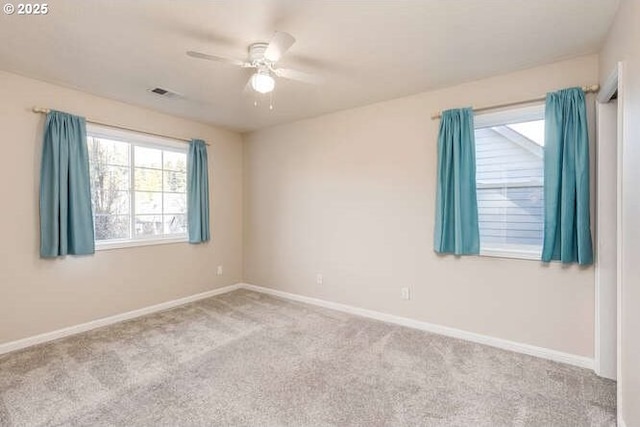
(109, 190)
(511, 216)
(532, 130)
(175, 203)
(148, 179)
(110, 203)
(109, 227)
(106, 151)
(148, 203)
(148, 225)
(175, 161)
(119, 177)
(109, 178)
(509, 175)
(148, 157)
(175, 224)
(175, 182)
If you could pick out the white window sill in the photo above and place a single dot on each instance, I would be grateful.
(122, 244)
(511, 253)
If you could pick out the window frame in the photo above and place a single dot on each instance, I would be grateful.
(504, 117)
(138, 139)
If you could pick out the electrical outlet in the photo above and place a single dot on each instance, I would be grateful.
(405, 293)
(219, 272)
(319, 279)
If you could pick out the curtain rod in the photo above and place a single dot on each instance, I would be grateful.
(96, 122)
(586, 89)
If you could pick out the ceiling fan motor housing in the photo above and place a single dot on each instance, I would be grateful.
(256, 53)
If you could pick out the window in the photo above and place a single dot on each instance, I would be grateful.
(138, 188)
(509, 178)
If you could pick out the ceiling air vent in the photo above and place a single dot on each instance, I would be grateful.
(165, 93)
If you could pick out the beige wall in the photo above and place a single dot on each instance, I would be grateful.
(623, 45)
(351, 195)
(39, 295)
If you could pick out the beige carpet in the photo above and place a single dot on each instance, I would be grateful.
(247, 359)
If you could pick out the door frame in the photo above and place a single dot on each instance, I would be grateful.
(616, 82)
(603, 360)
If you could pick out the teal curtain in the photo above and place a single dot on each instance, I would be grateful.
(66, 220)
(567, 227)
(198, 192)
(456, 229)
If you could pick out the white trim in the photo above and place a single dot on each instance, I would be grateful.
(105, 321)
(510, 115)
(544, 353)
(621, 422)
(622, 137)
(605, 354)
(513, 253)
(107, 245)
(531, 350)
(135, 137)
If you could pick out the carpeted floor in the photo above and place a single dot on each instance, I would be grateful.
(246, 358)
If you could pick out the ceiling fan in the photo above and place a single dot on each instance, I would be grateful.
(263, 57)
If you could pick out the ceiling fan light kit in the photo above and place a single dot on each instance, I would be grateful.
(262, 82)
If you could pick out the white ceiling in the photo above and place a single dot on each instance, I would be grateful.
(365, 50)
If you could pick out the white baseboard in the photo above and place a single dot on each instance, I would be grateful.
(105, 321)
(531, 350)
(545, 353)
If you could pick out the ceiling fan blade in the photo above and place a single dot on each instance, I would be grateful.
(215, 58)
(279, 44)
(300, 76)
(248, 89)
